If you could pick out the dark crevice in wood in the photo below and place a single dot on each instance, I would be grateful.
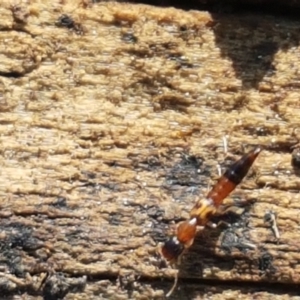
(278, 288)
(278, 8)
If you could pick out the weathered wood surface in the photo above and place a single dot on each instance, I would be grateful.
(110, 129)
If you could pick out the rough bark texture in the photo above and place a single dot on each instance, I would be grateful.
(113, 122)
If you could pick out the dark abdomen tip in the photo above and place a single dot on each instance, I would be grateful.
(172, 249)
(240, 168)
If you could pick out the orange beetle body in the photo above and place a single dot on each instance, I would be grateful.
(205, 208)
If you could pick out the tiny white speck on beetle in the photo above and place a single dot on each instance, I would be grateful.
(193, 221)
(175, 240)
